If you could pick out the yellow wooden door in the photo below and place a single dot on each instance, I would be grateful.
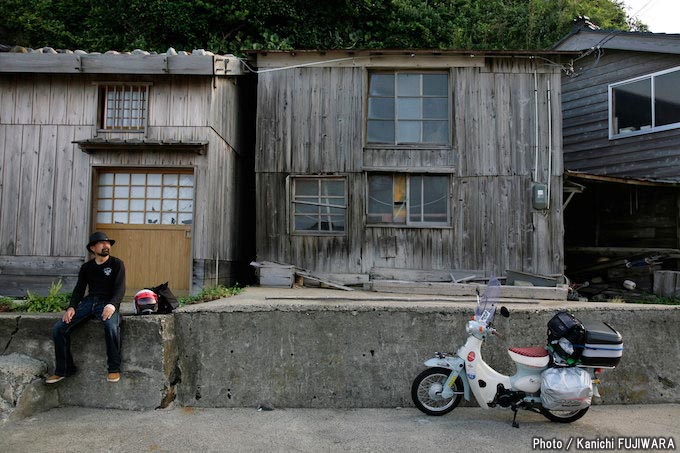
(149, 213)
(153, 255)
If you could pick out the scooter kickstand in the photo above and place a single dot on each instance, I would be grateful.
(514, 418)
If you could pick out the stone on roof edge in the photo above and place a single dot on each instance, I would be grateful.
(170, 52)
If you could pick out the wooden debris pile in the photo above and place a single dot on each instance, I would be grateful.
(605, 273)
(456, 283)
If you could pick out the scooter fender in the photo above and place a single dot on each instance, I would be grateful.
(457, 367)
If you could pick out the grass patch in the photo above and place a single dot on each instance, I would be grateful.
(662, 300)
(54, 302)
(6, 304)
(210, 293)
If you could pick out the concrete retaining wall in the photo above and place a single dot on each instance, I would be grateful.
(243, 353)
(367, 356)
(148, 359)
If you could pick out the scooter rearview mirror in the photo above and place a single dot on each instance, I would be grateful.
(504, 312)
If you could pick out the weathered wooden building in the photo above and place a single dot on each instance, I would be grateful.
(621, 133)
(621, 104)
(151, 148)
(437, 160)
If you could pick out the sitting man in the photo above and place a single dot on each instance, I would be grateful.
(104, 276)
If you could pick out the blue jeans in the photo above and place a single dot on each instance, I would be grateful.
(90, 307)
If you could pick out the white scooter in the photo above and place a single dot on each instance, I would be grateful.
(449, 377)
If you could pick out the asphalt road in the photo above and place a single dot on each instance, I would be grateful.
(313, 430)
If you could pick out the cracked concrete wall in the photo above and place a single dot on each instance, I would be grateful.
(324, 354)
(149, 358)
(335, 356)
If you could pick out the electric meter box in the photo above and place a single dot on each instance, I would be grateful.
(539, 195)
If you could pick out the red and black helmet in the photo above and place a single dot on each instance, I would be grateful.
(146, 302)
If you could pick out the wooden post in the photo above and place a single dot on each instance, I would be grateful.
(667, 283)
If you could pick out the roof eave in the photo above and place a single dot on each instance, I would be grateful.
(75, 63)
(629, 180)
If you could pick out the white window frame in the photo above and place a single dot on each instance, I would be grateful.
(409, 223)
(653, 128)
(395, 142)
(291, 181)
(141, 113)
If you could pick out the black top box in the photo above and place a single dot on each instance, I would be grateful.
(598, 332)
(603, 346)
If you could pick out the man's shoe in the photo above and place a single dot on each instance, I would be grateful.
(113, 377)
(54, 379)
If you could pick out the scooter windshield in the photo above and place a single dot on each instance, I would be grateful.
(486, 306)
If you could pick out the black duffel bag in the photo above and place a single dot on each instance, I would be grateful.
(167, 301)
(566, 337)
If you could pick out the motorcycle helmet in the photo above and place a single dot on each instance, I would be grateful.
(146, 302)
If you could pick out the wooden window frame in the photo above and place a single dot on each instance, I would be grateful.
(395, 119)
(140, 114)
(407, 200)
(613, 135)
(291, 184)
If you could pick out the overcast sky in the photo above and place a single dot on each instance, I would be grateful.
(662, 16)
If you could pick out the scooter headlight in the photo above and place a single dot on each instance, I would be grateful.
(471, 327)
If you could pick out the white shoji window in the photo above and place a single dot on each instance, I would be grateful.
(145, 198)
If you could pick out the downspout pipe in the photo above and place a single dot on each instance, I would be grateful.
(535, 127)
(550, 137)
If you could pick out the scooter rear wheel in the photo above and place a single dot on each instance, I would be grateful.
(427, 388)
(563, 416)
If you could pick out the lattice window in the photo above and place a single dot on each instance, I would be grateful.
(162, 198)
(123, 107)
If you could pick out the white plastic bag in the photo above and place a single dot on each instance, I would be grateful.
(566, 389)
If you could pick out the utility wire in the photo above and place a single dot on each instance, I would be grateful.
(643, 7)
(565, 68)
(598, 47)
(302, 65)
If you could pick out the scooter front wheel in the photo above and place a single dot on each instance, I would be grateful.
(563, 416)
(427, 389)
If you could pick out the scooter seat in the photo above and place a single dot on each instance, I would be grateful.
(535, 351)
(533, 357)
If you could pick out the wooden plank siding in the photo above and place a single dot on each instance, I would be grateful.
(585, 108)
(9, 208)
(46, 180)
(28, 190)
(224, 114)
(65, 154)
(310, 121)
